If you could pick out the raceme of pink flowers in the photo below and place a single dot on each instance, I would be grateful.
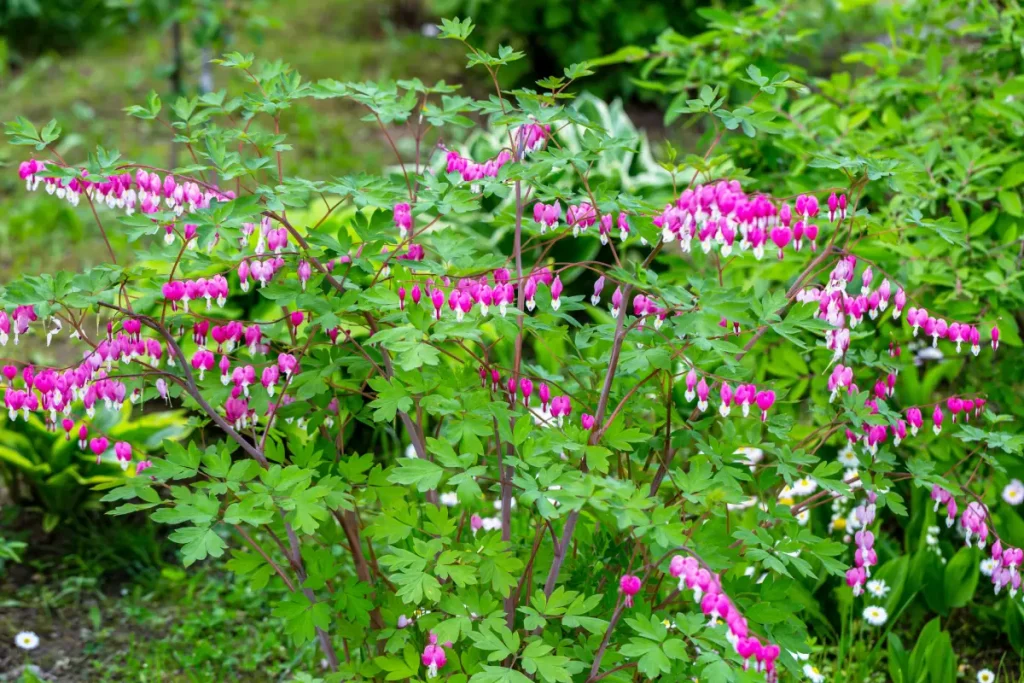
(716, 605)
(530, 137)
(723, 217)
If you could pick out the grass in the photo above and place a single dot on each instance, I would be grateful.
(110, 602)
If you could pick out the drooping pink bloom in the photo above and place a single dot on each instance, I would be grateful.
(725, 392)
(765, 400)
(703, 391)
(526, 389)
(269, 378)
(691, 383)
(98, 446)
(287, 363)
(716, 606)
(616, 302)
(683, 568)
(123, 452)
(781, 236)
(530, 292)
(556, 292)
(974, 523)
(955, 405)
(856, 577)
(914, 419)
(174, 291)
(403, 219)
(898, 303)
(433, 658)
(202, 361)
(236, 410)
(544, 393)
(437, 299)
(629, 585)
(561, 408)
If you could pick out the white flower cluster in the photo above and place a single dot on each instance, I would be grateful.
(798, 489)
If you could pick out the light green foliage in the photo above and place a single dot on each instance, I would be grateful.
(45, 469)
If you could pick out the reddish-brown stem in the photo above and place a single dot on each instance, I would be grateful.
(263, 553)
(350, 525)
(398, 156)
(619, 605)
(256, 453)
(790, 295)
(609, 672)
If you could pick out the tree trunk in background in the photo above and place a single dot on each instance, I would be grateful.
(177, 76)
(205, 72)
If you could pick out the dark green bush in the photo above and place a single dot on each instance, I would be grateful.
(557, 33)
(32, 27)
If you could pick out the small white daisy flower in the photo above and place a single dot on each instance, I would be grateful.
(751, 455)
(803, 517)
(928, 353)
(542, 417)
(988, 566)
(986, 676)
(804, 487)
(813, 674)
(27, 640)
(877, 588)
(552, 500)
(1013, 493)
(852, 523)
(848, 458)
(749, 502)
(876, 616)
(852, 475)
(449, 499)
